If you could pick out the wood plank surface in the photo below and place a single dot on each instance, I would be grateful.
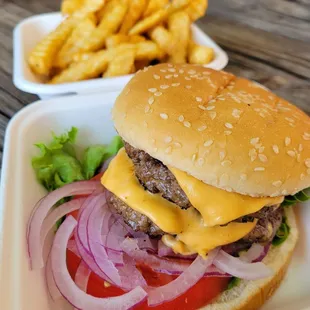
(267, 41)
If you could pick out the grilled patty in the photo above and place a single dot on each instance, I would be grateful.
(156, 178)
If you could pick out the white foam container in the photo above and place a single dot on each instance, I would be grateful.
(31, 30)
(23, 289)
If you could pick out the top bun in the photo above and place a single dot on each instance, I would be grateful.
(226, 131)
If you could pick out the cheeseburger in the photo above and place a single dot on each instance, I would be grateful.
(210, 163)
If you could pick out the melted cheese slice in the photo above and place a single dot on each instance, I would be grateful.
(217, 206)
(188, 225)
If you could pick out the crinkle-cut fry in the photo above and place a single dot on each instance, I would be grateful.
(179, 26)
(148, 50)
(89, 6)
(163, 38)
(109, 24)
(135, 11)
(68, 7)
(42, 56)
(200, 54)
(153, 6)
(118, 39)
(197, 9)
(121, 64)
(87, 69)
(82, 56)
(75, 42)
(158, 17)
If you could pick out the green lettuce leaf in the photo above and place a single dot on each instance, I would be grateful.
(301, 196)
(282, 233)
(95, 155)
(57, 165)
(234, 281)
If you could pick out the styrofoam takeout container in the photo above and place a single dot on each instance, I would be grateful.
(22, 289)
(33, 29)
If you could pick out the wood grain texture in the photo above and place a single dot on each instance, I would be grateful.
(266, 40)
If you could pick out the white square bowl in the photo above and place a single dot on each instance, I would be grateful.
(28, 32)
(22, 289)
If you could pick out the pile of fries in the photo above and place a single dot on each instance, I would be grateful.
(106, 38)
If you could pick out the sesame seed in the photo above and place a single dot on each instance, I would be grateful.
(198, 99)
(229, 125)
(298, 158)
(300, 147)
(156, 77)
(168, 76)
(175, 84)
(177, 144)
(222, 155)
(151, 100)
(188, 86)
(175, 75)
(165, 86)
(202, 107)
(187, 124)
(222, 99)
(259, 169)
(147, 109)
(254, 141)
(227, 132)
(211, 107)
(305, 137)
(243, 176)
(181, 118)
(202, 128)
(287, 141)
(191, 72)
(181, 71)
(168, 150)
(194, 157)
(226, 163)
(212, 101)
(163, 70)
(212, 115)
(236, 113)
(171, 70)
(284, 192)
(291, 153)
(307, 162)
(168, 139)
(187, 78)
(163, 115)
(252, 154)
(302, 176)
(290, 120)
(201, 161)
(275, 148)
(263, 158)
(170, 65)
(152, 90)
(208, 143)
(158, 93)
(261, 149)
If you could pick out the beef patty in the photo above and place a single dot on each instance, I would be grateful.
(156, 178)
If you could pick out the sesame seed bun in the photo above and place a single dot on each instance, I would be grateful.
(226, 131)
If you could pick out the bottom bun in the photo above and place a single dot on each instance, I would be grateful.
(250, 295)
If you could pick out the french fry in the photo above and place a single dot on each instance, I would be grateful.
(158, 17)
(135, 11)
(82, 56)
(89, 6)
(87, 69)
(163, 38)
(153, 6)
(121, 64)
(75, 42)
(197, 9)
(68, 7)
(109, 24)
(118, 39)
(199, 54)
(148, 50)
(179, 26)
(42, 56)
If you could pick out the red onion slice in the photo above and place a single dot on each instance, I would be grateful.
(161, 265)
(70, 291)
(236, 267)
(82, 276)
(35, 223)
(58, 213)
(95, 244)
(50, 282)
(183, 282)
(147, 244)
(253, 253)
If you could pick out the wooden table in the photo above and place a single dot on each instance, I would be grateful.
(266, 40)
